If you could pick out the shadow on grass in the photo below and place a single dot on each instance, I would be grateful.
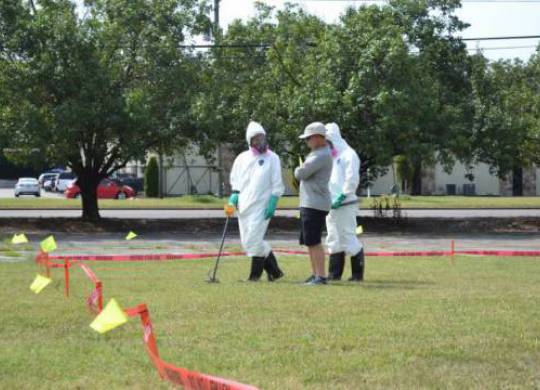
(372, 284)
(397, 284)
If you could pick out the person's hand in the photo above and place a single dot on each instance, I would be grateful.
(233, 199)
(336, 204)
(271, 208)
(229, 210)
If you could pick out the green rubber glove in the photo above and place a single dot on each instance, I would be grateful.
(338, 202)
(271, 208)
(233, 199)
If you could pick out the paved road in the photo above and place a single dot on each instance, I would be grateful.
(193, 214)
(8, 193)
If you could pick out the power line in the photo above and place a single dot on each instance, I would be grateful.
(501, 48)
(463, 1)
(502, 38)
(265, 45)
(228, 46)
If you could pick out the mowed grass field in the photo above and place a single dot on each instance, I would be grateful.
(212, 202)
(414, 323)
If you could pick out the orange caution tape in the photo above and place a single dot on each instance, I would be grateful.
(188, 379)
(194, 256)
(192, 380)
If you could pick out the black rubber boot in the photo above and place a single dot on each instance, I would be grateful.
(357, 267)
(272, 268)
(336, 265)
(257, 264)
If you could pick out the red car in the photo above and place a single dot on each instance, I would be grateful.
(107, 189)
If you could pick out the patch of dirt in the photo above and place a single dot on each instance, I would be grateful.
(278, 225)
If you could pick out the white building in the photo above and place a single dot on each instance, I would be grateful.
(435, 181)
(190, 173)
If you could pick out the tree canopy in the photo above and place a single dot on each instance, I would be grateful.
(96, 90)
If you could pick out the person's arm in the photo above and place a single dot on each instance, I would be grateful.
(310, 167)
(352, 175)
(277, 188)
(235, 180)
(235, 177)
(277, 181)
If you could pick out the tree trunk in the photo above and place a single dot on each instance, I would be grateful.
(88, 183)
(517, 181)
(416, 185)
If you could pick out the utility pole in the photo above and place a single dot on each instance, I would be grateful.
(219, 148)
(216, 17)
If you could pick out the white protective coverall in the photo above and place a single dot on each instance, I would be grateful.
(345, 178)
(256, 177)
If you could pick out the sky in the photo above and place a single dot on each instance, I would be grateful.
(487, 19)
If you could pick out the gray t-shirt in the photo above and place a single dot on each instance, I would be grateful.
(314, 176)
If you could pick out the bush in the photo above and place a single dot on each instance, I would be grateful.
(151, 178)
(384, 204)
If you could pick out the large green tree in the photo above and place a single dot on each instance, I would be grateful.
(507, 112)
(392, 76)
(97, 90)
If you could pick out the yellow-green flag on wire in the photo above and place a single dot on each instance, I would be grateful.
(48, 244)
(19, 239)
(130, 236)
(359, 229)
(110, 317)
(39, 283)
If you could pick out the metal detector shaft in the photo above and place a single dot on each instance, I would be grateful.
(213, 278)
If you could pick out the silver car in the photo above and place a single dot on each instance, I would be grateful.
(48, 184)
(27, 186)
(64, 180)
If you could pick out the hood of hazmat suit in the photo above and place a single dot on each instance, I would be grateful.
(345, 176)
(257, 177)
(252, 130)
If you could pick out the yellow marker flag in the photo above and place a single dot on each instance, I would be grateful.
(130, 236)
(110, 317)
(48, 244)
(19, 239)
(359, 229)
(39, 283)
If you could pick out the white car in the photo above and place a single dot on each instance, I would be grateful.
(64, 180)
(47, 176)
(27, 186)
(49, 183)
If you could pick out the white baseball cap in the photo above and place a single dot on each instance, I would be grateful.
(315, 128)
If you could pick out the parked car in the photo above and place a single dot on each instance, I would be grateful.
(27, 186)
(46, 176)
(64, 180)
(131, 180)
(107, 189)
(49, 184)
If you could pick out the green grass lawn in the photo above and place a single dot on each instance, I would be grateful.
(206, 201)
(414, 323)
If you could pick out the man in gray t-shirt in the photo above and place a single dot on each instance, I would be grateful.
(315, 200)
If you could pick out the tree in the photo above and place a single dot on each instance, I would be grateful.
(97, 91)
(151, 178)
(392, 76)
(506, 126)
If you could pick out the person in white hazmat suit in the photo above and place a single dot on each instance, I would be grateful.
(256, 187)
(341, 221)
